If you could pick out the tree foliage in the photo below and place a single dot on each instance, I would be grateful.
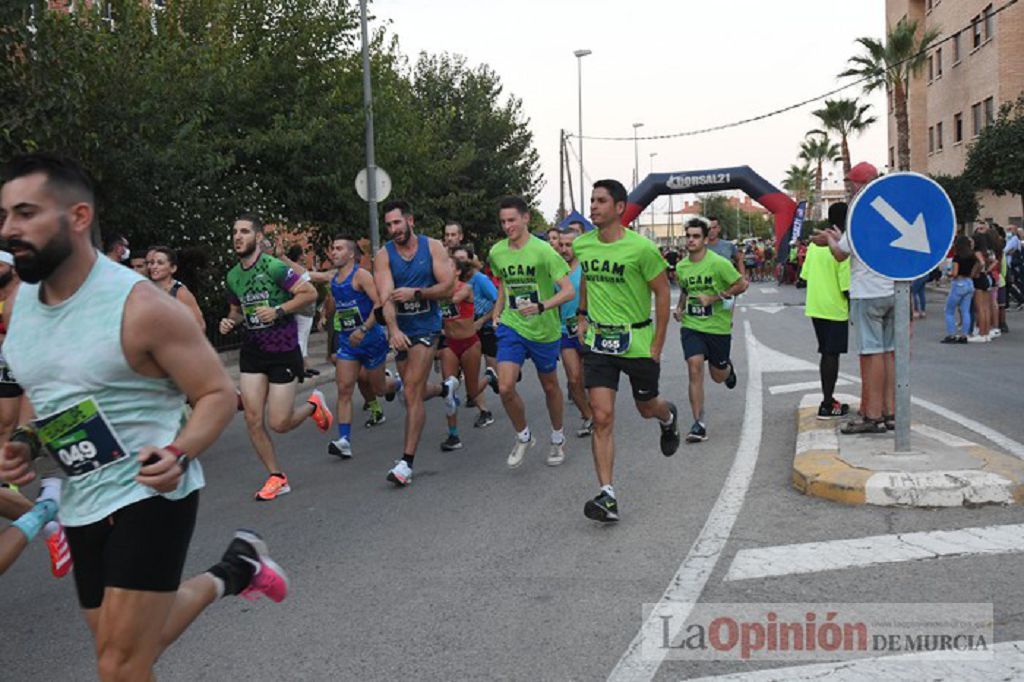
(996, 159)
(964, 194)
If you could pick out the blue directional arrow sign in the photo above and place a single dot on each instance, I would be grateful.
(902, 225)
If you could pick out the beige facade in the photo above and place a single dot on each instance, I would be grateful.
(962, 86)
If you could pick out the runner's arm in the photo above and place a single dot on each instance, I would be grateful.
(186, 297)
(444, 273)
(303, 294)
(566, 292)
(662, 302)
(385, 284)
(462, 294)
(499, 303)
(363, 281)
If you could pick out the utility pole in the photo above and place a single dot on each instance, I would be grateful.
(580, 54)
(371, 164)
(561, 175)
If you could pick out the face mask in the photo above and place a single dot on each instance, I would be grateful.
(127, 255)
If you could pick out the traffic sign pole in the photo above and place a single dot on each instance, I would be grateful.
(902, 367)
(371, 167)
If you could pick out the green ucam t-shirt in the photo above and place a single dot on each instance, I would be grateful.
(529, 275)
(711, 275)
(826, 279)
(616, 276)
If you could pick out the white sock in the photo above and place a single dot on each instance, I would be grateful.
(218, 584)
(608, 489)
(670, 421)
(557, 437)
(524, 435)
(50, 528)
(50, 490)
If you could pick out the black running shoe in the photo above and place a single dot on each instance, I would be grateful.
(452, 442)
(670, 433)
(603, 508)
(376, 419)
(730, 381)
(697, 433)
(833, 410)
(483, 419)
(492, 379)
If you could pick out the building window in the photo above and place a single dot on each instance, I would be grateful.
(938, 63)
(976, 119)
(931, 68)
(990, 27)
(956, 48)
(931, 140)
(958, 128)
(990, 111)
(938, 136)
(976, 31)
(892, 157)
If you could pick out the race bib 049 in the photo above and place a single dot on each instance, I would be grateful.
(80, 438)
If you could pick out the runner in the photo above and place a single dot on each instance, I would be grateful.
(723, 247)
(707, 281)
(360, 344)
(264, 293)
(621, 272)
(413, 273)
(461, 351)
(118, 361)
(528, 270)
(485, 295)
(25, 526)
(572, 349)
(162, 265)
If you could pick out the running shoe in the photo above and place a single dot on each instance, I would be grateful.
(994, 333)
(492, 379)
(340, 448)
(978, 338)
(670, 433)
(586, 428)
(398, 386)
(310, 373)
(515, 458)
(268, 578)
(603, 508)
(483, 419)
(451, 401)
(275, 485)
(60, 553)
(697, 433)
(556, 455)
(450, 443)
(321, 415)
(833, 410)
(376, 419)
(400, 474)
(952, 338)
(730, 381)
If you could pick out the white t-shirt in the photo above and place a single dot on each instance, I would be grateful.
(865, 283)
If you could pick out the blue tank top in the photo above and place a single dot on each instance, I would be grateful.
(351, 307)
(568, 309)
(415, 318)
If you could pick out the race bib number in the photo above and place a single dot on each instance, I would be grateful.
(6, 377)
(413, 307)
(252, 322)
(347, 319)
(80, 439)
(522, 295)
(612, 339)
(572, 325)
(697, 310)
(449, 310)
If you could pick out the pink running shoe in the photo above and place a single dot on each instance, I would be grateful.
(269, 578)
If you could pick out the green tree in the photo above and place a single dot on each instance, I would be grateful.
(799, 180)
(996, 159)
(844, 117)
(964, 194)
(890, 65)
(818, 149)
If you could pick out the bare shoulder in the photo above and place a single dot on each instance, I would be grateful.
(151, 315)
(436, 247)
(381, 260)
(363, 278)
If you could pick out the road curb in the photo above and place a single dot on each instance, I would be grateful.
(820, 471)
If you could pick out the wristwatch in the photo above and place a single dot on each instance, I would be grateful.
(418, 294)
(362, 328)
(279, 312)
(183, 459)
(540, 306)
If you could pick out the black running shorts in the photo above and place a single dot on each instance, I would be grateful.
(138, 547)
(430, 341)
(833, 336)
(714, 347)
(602, 371)
(488, 341)
(280, 368)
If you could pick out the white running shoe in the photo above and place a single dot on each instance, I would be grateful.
(586, 428)
(556, 455)
(515, 458)
(340, 448)
(995, 333)
(400, 474)
(978, 338)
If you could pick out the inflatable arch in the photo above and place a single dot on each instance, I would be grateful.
(742, 178)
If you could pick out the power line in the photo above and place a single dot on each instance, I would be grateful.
(586, 175)
(783, 110)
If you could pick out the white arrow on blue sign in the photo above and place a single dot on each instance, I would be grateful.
(902, 225)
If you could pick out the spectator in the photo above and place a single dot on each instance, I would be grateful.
(115, 247)
(304, 316)
(982, 317)
(961, 290)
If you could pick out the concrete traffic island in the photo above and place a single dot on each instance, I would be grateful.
(942, 470)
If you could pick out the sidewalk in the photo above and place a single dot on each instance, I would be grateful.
(317, 360)
(942, 471)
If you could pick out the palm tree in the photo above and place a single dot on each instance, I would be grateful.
(799, 180)
(818, 149)
(845, 117)
(891, 66)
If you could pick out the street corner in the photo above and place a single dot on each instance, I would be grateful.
(942, 470)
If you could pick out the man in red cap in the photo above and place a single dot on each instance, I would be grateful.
(873, 313)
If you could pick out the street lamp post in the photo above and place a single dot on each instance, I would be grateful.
(371, 164)
(636, 156)
(580, 54)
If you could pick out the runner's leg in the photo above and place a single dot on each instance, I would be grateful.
(602, 402)
(450, 367)
(346, 375)
(508, 376)
(415, 370)
(282, 415)
(471, 361)
(554, 398)
(574, 382)
(128, 634)
(695, 369)
(254, 389)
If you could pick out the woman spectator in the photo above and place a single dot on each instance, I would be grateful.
(998, 276)
(961, 291)
(917, 294)
(162, 262)
(982, 283)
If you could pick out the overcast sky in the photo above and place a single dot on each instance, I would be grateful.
(674, 65)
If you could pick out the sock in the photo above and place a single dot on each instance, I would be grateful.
(453, 431)
(671, 420)
(557, 437)
(345, 431)
(50, 489)
(608, 489)
(375, 407)
(524, 435)
(278, 474)
(444, 389)
(32, 521)
(408, 459)
(218, 584)
(50, 528)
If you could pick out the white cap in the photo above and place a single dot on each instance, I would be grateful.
(6, 257)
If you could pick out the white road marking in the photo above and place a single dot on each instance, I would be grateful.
(772, 309)
(801, 386)
(938, 488)
(688, 583)
(833, 555)
(947, 438)
(768, 290)
(1007, 663)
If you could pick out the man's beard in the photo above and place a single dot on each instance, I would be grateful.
(247, 252)
(35, 265)
(403, 236)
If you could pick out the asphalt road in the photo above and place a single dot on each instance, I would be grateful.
(478, 572)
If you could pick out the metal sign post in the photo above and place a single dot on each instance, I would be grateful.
(901, 226)
(371, 166)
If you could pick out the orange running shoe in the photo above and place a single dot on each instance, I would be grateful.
(60, 553)
(275, 485)
(321, 415)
